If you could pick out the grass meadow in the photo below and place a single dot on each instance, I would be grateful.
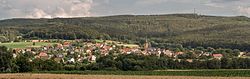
(25, 44)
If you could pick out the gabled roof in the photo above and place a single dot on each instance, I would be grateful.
(66, 43)
(217, 55)
(43, 54)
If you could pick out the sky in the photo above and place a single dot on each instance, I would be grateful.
(94, 8)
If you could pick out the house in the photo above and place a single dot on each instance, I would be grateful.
(217, 56)
(89, 44)
(168, 53)
(104, 52)
(33, 52)
(207, 54)
(14, 55)
(59, 46)
(23, 51)
(92, 58)
(80, 59)
(34, 40)
(17, 50)
(107, 48)
(99, 45)
(126, 50)
(189, 60)
(158, 52)
(44, 40)
(178, 53)
(72, 52)
(241, 54)
(89, 51)
(72, 60)
(135, 50)
(66, 44)
(43, 55)
(59, 55)
(28, 49)
(45, 48)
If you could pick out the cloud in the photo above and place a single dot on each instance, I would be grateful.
(83, 8)
(224, 1)
(244, 10)
(153, 2)
(214, 5)
(45, 8)
(224, 4)
(150, 2)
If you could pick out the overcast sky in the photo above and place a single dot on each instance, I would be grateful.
(85, 8)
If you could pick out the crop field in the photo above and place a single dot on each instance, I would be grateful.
(25, 44)
(205, 73)
(77, 76)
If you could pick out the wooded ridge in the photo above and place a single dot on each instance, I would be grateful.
(185, 29)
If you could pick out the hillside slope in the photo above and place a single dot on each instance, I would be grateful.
(187, 29)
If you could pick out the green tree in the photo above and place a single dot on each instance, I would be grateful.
(214, 64)
(24, 63)
(226, 63)
(7, 63)
(34, 43)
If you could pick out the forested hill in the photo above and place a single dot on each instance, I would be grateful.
(186, 29)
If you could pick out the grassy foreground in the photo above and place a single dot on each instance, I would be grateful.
(209, 73)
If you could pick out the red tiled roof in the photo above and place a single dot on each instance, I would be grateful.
(98, 44)
(66, 43)
(43, 54)
(107, 47)
(179, 53)
(217, 55)
(126, 49)
(35, 41)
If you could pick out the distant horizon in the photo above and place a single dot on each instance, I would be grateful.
(130, 15)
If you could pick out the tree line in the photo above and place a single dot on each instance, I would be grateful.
(122, 62)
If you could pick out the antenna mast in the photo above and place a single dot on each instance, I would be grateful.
(194, 10)
(195, 13)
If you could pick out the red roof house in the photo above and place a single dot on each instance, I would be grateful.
(43, 55)
(66, 44)
(217, 56)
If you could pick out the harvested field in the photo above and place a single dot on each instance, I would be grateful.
(74, 76)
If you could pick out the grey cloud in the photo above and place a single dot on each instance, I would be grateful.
(45, 8)
(224, 1)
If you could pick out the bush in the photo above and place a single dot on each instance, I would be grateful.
(69, 67)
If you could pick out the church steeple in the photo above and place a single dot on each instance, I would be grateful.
(146, 46)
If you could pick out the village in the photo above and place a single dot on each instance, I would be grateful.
(77, 51)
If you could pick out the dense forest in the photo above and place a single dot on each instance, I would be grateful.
(162, 30)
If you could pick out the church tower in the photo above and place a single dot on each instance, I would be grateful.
(146, 46)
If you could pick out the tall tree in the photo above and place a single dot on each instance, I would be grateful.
(6, 60)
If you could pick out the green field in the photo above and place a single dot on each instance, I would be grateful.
(25, 44)
(129, 45)
(209, 73)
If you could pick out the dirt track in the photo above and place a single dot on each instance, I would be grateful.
(70, 76)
